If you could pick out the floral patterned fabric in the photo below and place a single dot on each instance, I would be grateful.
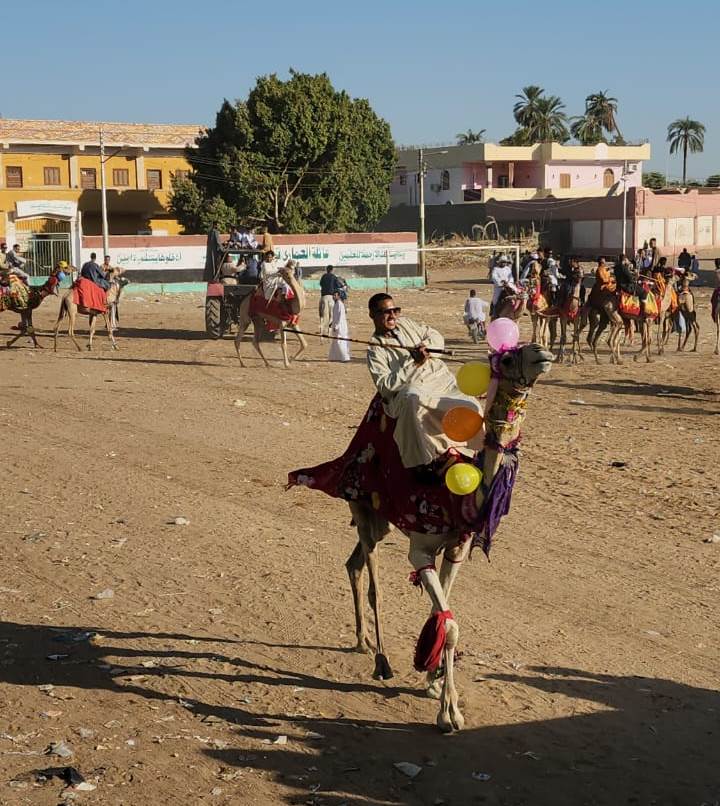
(371, 472)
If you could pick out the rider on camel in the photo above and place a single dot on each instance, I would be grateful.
(604, 278)
(417, 389)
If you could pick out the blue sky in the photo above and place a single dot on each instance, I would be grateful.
(430, 69)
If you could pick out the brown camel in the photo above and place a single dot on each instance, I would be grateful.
(686, 302)
(23, 300)
(511, 305)
(519, 370)
(71, 310)
(296, 304)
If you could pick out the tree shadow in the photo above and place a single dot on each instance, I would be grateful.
(626, 740)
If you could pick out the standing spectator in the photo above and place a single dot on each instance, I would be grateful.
(3, 255)
(329, 286)
(475, 313)
(684, 260)
(655, 254)
(339, 350)
(91, 271)
(695, 265)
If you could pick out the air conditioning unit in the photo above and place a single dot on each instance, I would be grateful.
(632, 167)
(436, 188)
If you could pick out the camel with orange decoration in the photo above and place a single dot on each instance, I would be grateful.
(19, 298)
(382, 493)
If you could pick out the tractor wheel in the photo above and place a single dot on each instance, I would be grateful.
(214, 317)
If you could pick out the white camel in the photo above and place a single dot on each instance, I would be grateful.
(245, 318)
(518, 370)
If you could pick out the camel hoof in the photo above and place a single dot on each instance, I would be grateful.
(433, 689)
(450, 720)
(382, 668)
(363, 646)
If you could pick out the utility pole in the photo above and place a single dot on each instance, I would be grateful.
(421, 202)
(103, 197)
(624, 224)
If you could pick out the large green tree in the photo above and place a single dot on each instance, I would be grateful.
(653, 180)
(296, 156)
(687, 134)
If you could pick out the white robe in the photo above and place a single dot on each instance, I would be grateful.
(272, 280)
(418, 396)
(339, 350)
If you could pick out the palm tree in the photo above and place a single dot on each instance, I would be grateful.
(550, 122)
(525, 110)
(603, 109)
(690, 134)
(469, 137)
(587, 130)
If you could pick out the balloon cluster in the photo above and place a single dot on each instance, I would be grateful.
(462, 423)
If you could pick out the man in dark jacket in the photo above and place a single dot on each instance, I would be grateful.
(91, 271)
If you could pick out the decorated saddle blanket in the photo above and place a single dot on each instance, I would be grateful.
(88, 295)
(371, 472)
(652, 306)
(278, 308)
(15, 296)
(629, 304)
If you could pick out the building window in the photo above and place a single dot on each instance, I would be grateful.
(88, 178)
(445, 180)
(154, 179)
(13, 176)
(180, 176)
(121, 177)
(564, 180)
(403, 179)
(51, 176)
(503, 181)
(608, 178)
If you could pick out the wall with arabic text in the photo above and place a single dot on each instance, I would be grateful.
(181, 258)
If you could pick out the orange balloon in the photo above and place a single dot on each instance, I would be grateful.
(461, 423)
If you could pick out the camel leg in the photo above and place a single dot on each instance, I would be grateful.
(696, 331)
(422, 554)
(716, 351)
(453, 558)
(256, 343)
(71, 329)
(355, 566)
(303, 343)
(111, 335)
(92, 324)
(283, 346)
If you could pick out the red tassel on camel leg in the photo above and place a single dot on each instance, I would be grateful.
(431, 642)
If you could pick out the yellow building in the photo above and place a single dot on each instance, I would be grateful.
(50, 182)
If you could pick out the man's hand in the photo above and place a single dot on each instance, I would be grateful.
(420, 354)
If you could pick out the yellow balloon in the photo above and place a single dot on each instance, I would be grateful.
(474, 378)
(462, 478)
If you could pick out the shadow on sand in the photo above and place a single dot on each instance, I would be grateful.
(652, 741)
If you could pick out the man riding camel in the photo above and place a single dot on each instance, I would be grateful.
(502, 279)
(417, 389)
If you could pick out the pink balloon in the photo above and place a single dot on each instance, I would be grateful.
(503, 334)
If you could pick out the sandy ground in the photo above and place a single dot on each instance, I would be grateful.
(590, 665)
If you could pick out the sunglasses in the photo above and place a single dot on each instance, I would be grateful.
(387, 311)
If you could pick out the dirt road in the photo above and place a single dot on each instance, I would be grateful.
(590, 665)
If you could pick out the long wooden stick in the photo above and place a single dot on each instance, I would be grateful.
(435, 350)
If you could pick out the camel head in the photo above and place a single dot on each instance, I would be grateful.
(522, 367)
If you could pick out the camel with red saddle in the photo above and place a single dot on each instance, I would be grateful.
(71, 305)
(285, 319)
(474, 519)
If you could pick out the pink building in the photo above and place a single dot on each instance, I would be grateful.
(484, 171)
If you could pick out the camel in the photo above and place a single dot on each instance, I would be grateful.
(71, 310)
(571, 314)
(511, 305)
(297, 303)
(517, 371)
(686, 303)
(23, 300)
